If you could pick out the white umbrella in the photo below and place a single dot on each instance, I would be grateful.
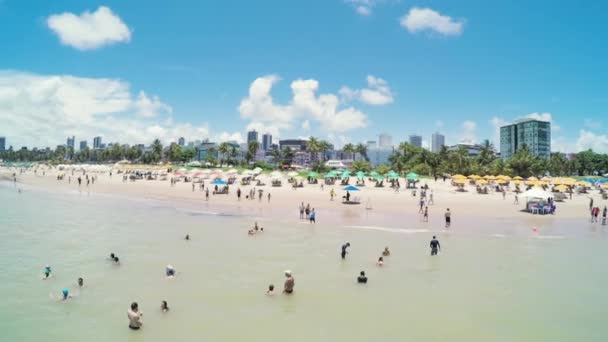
(537, 193)
(292, 174)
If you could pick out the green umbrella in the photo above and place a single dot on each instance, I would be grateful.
(345, 175)
(313, 174)
(379, 178)
(330, 174)
(373, 174)
(392, 175)
(412, 176)
(360, 174)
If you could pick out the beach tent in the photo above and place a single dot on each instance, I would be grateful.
(219, 182)
(351, 188)
(537, 193)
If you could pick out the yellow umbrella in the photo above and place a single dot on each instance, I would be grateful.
(585, 184)
(458, 177)
(517, 182)
(482, 182)
(605, 185)
(546, 179)
(518, 178)
(459, 181)
(503, 177)
(489, 177)
(532, 178)
(561, 188)
(474, 177)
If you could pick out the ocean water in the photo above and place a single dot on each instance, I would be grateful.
(493, 280)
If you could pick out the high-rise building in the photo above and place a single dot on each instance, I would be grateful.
(416, 140)
(181, 141)
(71, 142)
(437, 141)
(385, 140)
(83, 145)
(97, 143)
(534, 134)
(266, 141)
(2, 144)
(252, 136)
(370, 144)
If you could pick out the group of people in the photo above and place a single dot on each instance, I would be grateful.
(306, 213)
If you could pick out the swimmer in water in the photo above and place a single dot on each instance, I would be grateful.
(289, 283)
(134, 316)
(270, 291)
(187, 237)
(435, 246)
(65, 294)
(164, 307)
(380, 262)
(112, 256)
(116, 261)
(170, 271)
(80, 282)
(47, 272)
(362, 278)
(386, 252)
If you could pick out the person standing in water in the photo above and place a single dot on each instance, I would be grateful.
(270, 291)
(289, 283)
(134, 316)
(362, 278)
(164, 307)
(435, 246)
(80, 282)
(47, 272)
(313, 216)
(344, 251)
(448, 218)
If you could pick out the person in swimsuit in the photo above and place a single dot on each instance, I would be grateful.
(47, 272)
(448, 218)
(187, 237)
(386, 252)
(289, 283)
(362, 278)
(435, 246)
(270, 291)
(380, 262)
(425, 217)
(116, 261)
(313, 216)
(344, 252)
(170, 271)
(164, 307)
(134, 316)
(80, 282)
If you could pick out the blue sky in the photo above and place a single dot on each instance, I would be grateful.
(215, 68)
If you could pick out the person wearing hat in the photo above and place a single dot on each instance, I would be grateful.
(289, 283)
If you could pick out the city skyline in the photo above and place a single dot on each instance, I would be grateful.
(110, 85)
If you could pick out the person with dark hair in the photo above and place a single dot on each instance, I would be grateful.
(362, 278)
(435, 246)
(134, 316)
(164, 307)
(344, 252)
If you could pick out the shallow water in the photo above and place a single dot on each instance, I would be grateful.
(495, 280)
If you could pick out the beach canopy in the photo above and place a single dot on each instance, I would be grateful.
(313, 174)
(219, 182)
(412, 176)
(537, 193)
(360, 174)
(482, 182)
(351, 188)
(373, 174)
(292, 174)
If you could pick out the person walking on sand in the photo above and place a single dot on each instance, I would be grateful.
(313, 216)
(269, 197)
(425, 217)
(604, 213)
(448, 218)
(207, 194)
(435, 246)
(431, 200)
(332, 194)
(302, 211)
(238, 194)
(516, 200)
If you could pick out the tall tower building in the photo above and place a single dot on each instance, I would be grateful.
(266, 141)
(437, 141)
(385, 140)
(534, 134)
(252, 136)
(97, 142)
(416, 140)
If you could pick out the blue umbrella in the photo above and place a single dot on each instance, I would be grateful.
(351, 188)
(219, 182)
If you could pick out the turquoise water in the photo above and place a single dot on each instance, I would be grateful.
(493, 281)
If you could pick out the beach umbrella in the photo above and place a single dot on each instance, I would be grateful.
(379, 178)
(482, 182)
(313, 174)
(219, 182)
(412, 176)
(292, 174)
(459, 181)
(532, 178)
(503, 177)
(351, 188)
(177, 174)
(517, 178)
(392, 175)
(546, 179)
(232, 171)
(537, 193)
(373, 173)
(474, 177)
(194, 163)
(458, 177)
(345, 174)
(360, 174)
(561, 188)
(605, 185)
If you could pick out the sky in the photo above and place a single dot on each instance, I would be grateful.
(341, 70)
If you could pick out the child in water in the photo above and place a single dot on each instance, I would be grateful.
(270, 291)
(47, 272)
(380, 262)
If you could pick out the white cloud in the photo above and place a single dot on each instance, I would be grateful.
(364, 10)
(226, 136)
(150, 107)
(377, 92)
(589, 140)
(426, 19)
(306, 125)
(261, 109)
(263, 128)
(88, 30)
(592, 124)
(439, 124)
(468, 132)
(41, 110)
(496, 123)
(544, 117)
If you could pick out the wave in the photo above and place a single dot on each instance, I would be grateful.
(389, 229)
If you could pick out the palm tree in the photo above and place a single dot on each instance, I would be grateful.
(252, 150)
(277, 156)
(288, 156)
(314, 147)
(157, 148)
(362, 150)
(350, 148)
(224, 148)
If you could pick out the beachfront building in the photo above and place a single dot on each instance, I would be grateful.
(266, 141)
(473, 150)
(2, 144)
(371, 144)
(181, 141)
(379, 156)
(252, 136)
(385, 140)
(293, 144)
(71, 142)
(97, 143)
(207, 150)
(416, 140)
(83, 145)
(437, 142)
(534, 134)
